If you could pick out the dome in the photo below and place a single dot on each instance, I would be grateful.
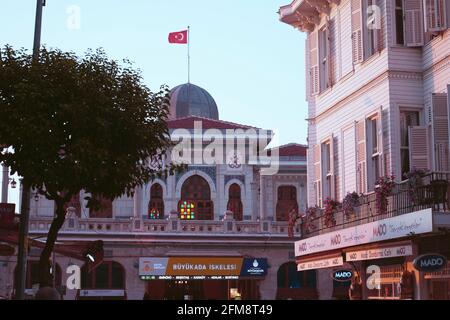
(191, 100)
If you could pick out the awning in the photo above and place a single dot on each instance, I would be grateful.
(329, 261)
(381, 252)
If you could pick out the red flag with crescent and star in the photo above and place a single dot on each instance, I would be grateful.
(178, 37)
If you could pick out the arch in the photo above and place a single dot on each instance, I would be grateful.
(289, 277)
(195, 199)
(156, 203)
(105, 209)
(108, 275)
(235, 201)
(286, 201)
(189, 174)
(74, 202)
(160, 182)
(233, 181)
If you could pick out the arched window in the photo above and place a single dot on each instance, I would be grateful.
(108, 275)
(195, 196)
(74, 203)
(234, 201)
(156, 204)
(104, 210)
(32, 276)
(289, 277)
(287, 202)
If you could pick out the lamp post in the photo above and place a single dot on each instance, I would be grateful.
(25, 201)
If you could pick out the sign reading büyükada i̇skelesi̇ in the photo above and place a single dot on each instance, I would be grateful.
(202, 266)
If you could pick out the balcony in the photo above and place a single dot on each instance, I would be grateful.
(433, 192)
(169, 227)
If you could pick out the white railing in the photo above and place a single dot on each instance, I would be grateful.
(161, 226)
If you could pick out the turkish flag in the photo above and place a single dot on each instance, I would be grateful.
(178, 37)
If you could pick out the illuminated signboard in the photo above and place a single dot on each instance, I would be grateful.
(201, 268)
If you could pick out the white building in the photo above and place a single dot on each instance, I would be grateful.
(378, 75)
(226, 215)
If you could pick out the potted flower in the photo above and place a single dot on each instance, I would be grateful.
(384, 187)
(350, 204)
(293, 218)
(329, 211)
(414, 182)
(311, 216)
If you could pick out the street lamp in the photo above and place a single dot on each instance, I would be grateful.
(13, 183)
(26, 194)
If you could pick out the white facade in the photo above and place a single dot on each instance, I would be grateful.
(350, 83)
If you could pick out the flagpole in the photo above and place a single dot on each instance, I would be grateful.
(188, 55)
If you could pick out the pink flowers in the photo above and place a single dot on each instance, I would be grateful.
(330, 208)
(384, 187)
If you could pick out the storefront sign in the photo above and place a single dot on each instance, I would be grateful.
(102, 293)
(254, 267)
(320, 264)
(153, 268)
(342, 275)
(430, 262)
(401, 226)
(379, 253)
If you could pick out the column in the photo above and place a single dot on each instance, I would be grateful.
(5, 183)
(262, 198)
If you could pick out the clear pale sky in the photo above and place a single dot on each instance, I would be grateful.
(250, 62)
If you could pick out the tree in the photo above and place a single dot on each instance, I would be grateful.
(71, 123)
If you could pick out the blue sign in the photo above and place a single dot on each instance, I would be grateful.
(430, 262)
(342, 275)
(254, 267)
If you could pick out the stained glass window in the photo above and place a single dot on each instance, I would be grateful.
(187, 210)
(154, 214)
(156, 204)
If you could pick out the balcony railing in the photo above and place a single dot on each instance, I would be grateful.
(433, 192)
(162, 226)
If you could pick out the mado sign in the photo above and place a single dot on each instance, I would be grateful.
(342, 275)
(430, 262)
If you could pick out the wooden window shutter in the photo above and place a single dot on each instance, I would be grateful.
(381, 33)
(440, 132)
(314, 62)
(361, 156)
(435, 12)
(414, 32)
(332, 49)
(308, 90)
(335, 190)
(419, 148)
(381, 142)
(317, 174)
(357, 39)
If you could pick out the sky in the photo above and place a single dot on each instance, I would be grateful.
(250, 62)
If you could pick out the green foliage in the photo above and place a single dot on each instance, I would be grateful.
(69, 124)
(80, 123)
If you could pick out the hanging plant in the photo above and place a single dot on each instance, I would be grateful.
(311, 217)
(385, 186)
(414, 182)
(350, 202)
(329, 211)
(294, 216)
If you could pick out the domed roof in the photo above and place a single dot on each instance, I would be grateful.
(191, 100)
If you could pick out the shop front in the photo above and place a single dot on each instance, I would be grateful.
(384, 270)
(379, 255)
(433, 263)
(202, 278)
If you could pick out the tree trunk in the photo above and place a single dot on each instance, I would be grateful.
(45, 277)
